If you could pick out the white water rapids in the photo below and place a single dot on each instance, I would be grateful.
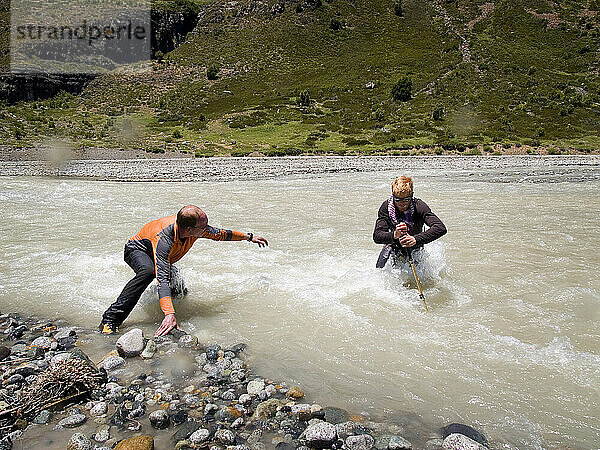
(511, 343)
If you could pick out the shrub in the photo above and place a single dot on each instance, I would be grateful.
(305, 98)
(336, 24)
(402, 90)
(212, 72)
(158, 55)
(438, 113)
(398, 8)
(177, 134)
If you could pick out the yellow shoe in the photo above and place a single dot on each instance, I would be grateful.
(108, 328)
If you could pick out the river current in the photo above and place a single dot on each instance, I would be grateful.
(511, 341)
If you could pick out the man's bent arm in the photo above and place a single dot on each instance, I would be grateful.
(163, 274)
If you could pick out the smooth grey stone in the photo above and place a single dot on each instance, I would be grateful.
(361, 442)
(457, 441)
(255, 386)
(65, 333)
(74, 420)
(185, 430)
(200, 436)
(399, 443)
(149, 350)
(212, 352)
(223, 364)
(237, 375)
(210, 408)
(43, 417)
(237, 422)
(138, 409)
(112, 362)
(191, 400)
(434, 444)
(319, 435)
(159, 419)
(237, 348)
(228, 395)
(18, 349)
(99, 409)
(245, 399)
(27, 369)
(59, 357)
(335, 415)
(14, 379)
(79, 442)
(270, 390)
(102, 434)
(237, 364)
(468, 431)
(131, 343)
(42, 342)
(225, 436)
(188, 341)
(35, 352)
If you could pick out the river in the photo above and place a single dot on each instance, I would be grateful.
(510, 344)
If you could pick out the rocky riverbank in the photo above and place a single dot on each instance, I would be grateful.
(516, 168)
(169, 392)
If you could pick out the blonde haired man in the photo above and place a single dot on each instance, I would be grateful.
(400, 222)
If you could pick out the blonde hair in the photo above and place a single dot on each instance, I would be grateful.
(402, 186)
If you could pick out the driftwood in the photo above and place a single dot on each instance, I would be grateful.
(60, 383)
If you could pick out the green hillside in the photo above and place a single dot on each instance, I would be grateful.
(310, 77)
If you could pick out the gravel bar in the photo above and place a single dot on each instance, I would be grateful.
(577, 167)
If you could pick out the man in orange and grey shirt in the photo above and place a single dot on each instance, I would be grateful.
(150, 254)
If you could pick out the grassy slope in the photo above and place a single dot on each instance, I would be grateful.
(528, 82)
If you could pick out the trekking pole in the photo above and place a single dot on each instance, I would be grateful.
(412, 264)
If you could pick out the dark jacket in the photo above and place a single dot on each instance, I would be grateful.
(384, 228)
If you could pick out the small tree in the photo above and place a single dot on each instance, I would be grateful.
(212, 72)
(336, 24)
(438, 113)
(305, 98)
(398, 8)
(402, 90)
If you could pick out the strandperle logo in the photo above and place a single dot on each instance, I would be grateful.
(79, 36)
(85, 31)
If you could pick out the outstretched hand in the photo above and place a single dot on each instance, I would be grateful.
(261, 241)
(168, 323)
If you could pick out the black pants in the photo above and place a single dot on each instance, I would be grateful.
(398, 255)
(143, 266)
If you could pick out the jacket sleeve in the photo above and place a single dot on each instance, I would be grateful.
(436, 227)
(219, 234)
(382, 233)
(163, 274)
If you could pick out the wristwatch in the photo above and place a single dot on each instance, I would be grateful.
(250, 237)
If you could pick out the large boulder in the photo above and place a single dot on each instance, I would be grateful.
(319, 435)
(457, 441)
(131, 343)
(468, 431)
